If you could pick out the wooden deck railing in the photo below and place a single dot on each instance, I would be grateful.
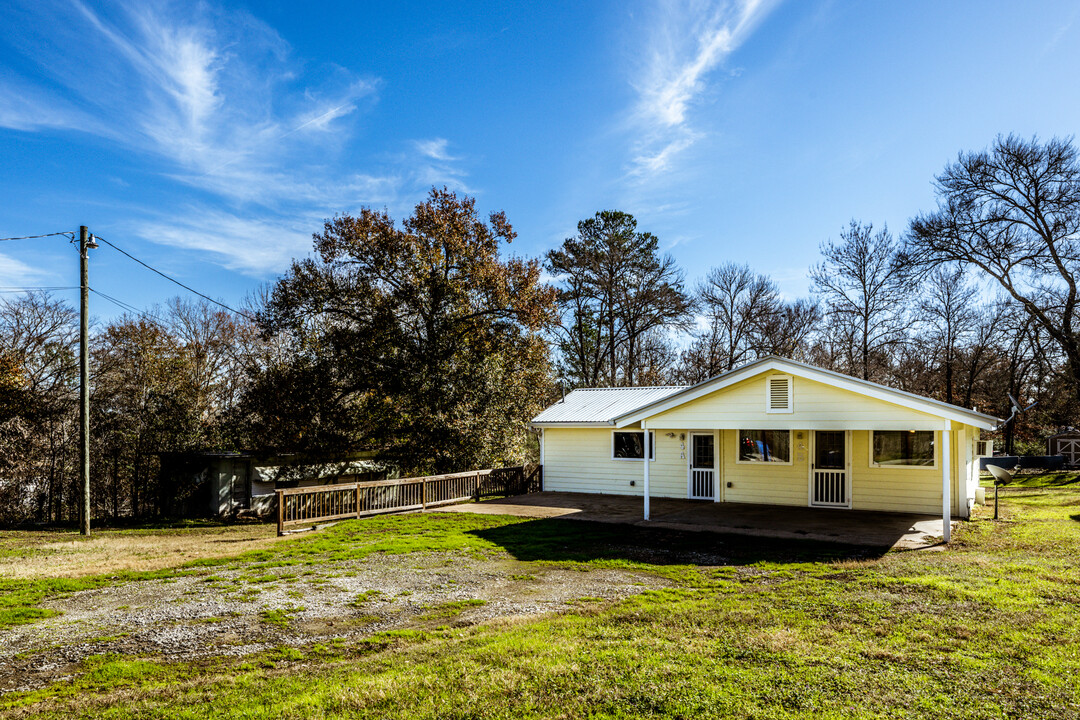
(322, 503)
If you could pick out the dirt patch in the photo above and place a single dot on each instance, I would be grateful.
(229, 613)
(25, 554)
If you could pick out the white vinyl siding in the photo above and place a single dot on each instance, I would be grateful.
(579, 460)
(899, 489)
(759, 482)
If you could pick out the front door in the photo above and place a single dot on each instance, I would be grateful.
(702, 466)
(828, 469)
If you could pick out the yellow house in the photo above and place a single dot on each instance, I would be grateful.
(774, 432)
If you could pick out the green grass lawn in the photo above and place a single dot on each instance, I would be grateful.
(988, 628)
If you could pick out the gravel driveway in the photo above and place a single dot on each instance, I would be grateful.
(226, 613)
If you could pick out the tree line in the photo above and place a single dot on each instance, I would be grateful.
(428, 343)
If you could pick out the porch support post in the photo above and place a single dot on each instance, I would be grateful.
(718, 462)
(946, 482)
(646, 463)
(543, 465)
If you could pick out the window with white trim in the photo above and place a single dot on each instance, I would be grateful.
(630, 445)
(778, 394)
(902, 448)
(769, 446)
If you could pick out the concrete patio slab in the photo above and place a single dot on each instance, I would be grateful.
(850, 527)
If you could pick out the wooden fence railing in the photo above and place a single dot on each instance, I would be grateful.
(322, 503)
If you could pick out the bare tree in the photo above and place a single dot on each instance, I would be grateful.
(949, 309)
(864, 291)
(737, 304)
(213, 346)
(1013, 211)
(980, 353)
(789, 330)
(656, 358)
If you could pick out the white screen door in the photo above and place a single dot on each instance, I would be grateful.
(828, 474)
(702, 462)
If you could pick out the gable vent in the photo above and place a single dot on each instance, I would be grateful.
(778, 394)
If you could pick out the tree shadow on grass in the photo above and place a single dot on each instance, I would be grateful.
(584, 541)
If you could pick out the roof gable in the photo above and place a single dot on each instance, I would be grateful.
(900, 398)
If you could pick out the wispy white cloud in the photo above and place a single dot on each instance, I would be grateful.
(249, 243)
(15, 273)
(1061, 31)
(214, 101)
(686, 42)
(434, 148)
(209, 85)
(434, 165)
(653, 160)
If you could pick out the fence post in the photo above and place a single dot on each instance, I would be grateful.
(280, 512)
(423, 493)
(357, 499)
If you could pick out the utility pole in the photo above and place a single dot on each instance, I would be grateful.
(86, 242)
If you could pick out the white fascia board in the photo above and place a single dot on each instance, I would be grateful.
(598, 424)
(894, 397)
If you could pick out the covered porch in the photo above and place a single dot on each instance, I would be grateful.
(849, 527)
(888, 468)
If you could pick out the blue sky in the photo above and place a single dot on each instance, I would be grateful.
(212, 139)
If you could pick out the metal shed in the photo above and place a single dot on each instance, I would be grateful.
(230, 483)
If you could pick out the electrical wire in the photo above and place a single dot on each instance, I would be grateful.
(130, 308)
(174, 280)
(68, 233)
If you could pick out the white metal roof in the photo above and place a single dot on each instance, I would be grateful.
(602, 405)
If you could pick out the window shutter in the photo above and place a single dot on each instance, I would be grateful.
(778, 394)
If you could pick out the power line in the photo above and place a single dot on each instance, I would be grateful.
(172, 279)
(68, 233)
(35, 289)
(119, 303)
(130, 308)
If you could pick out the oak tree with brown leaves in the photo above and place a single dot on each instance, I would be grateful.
(426, 343)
